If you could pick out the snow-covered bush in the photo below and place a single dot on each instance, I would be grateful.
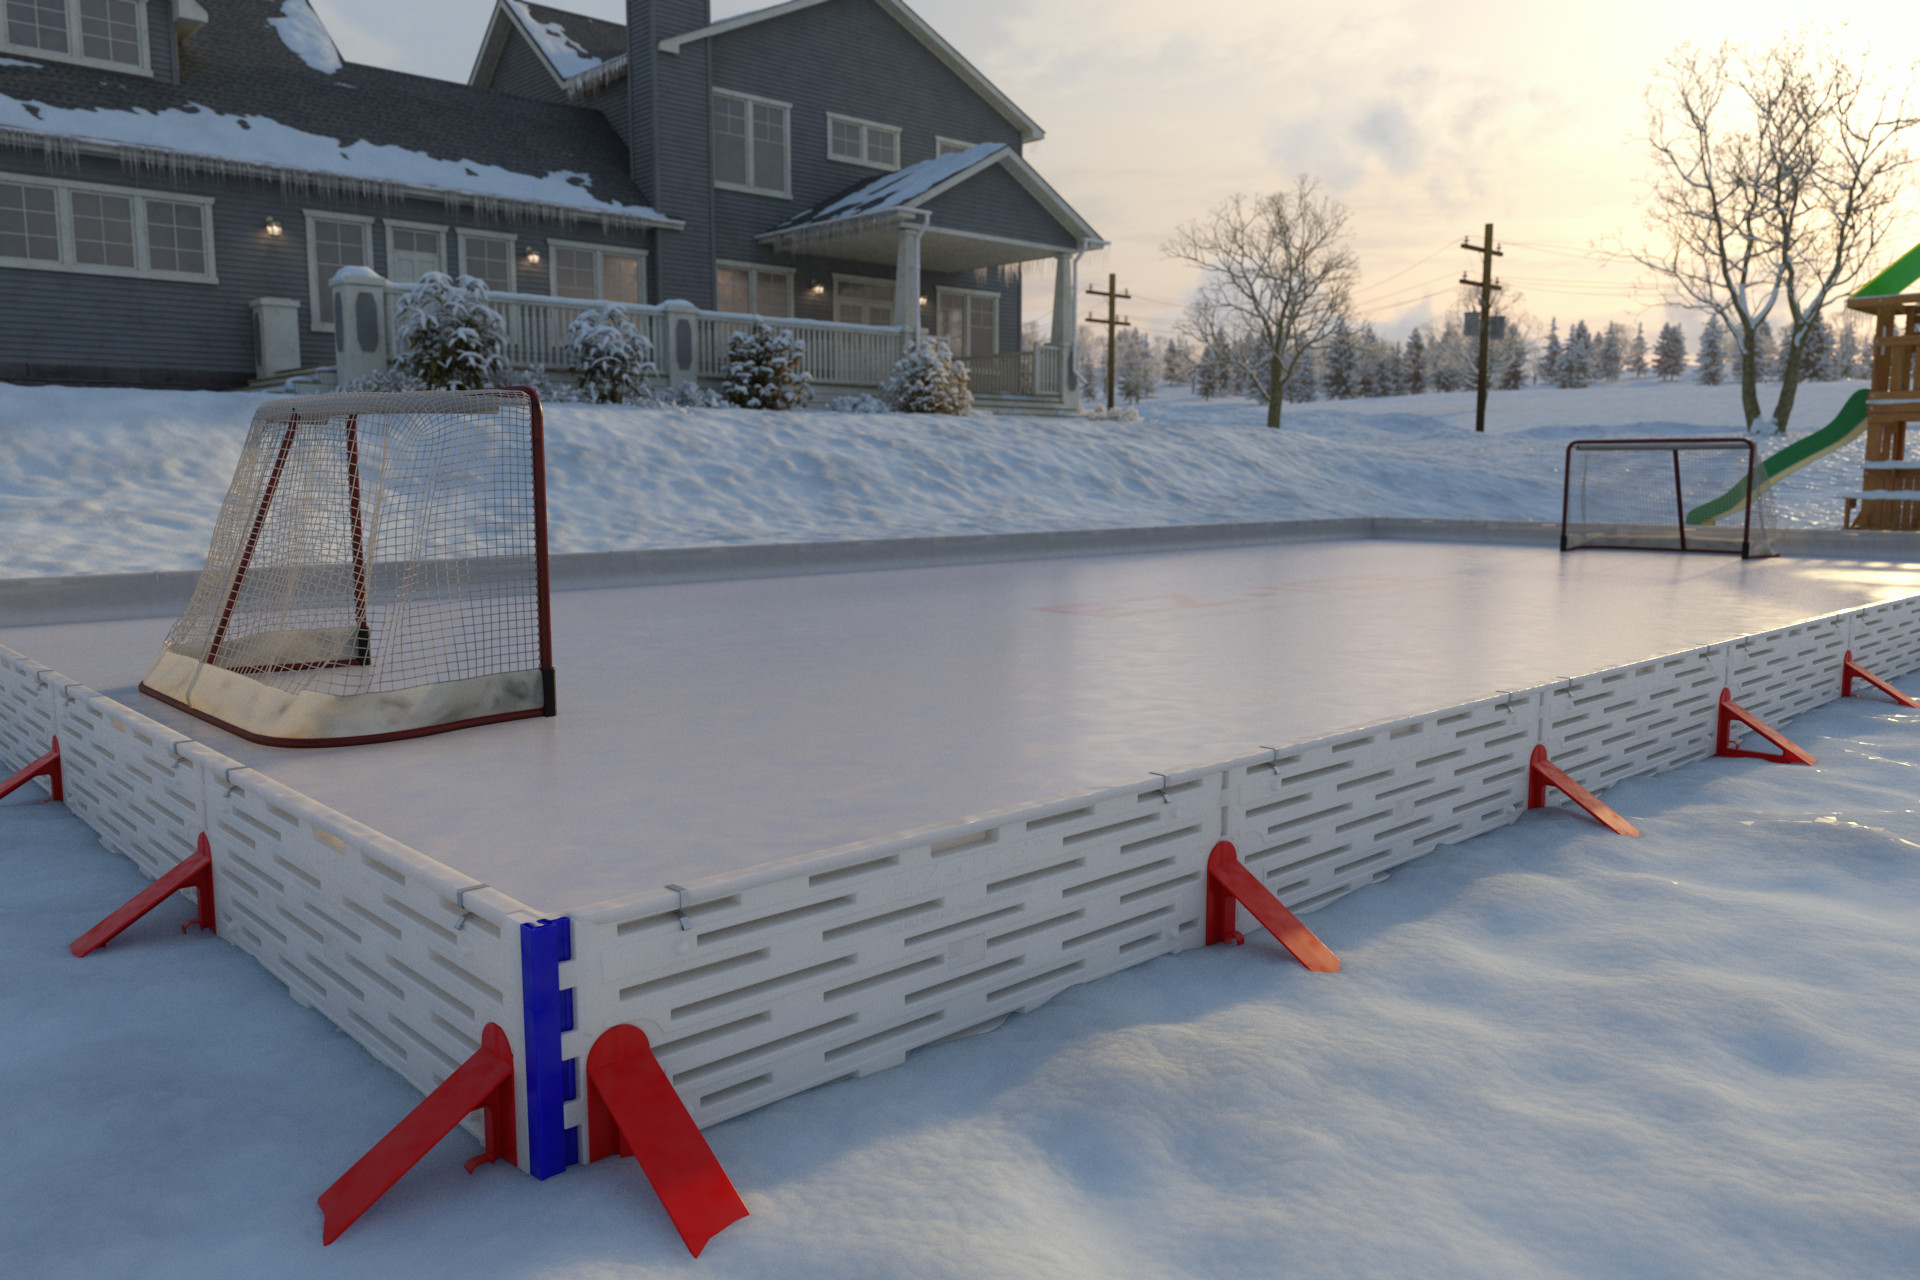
(688, 395)
(447, 336)
(927, 379)
(861, 403)
(552, 388)
(393, 378)
(1119, 413)
(611, 358)
(763, 370)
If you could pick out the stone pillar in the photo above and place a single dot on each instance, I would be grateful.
(362, 323)
(906, 279)
(680, 361)
(276, 336)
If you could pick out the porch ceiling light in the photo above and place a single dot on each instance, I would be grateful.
(273, 227)
(923, 299)
(533, 257)
(819, 289)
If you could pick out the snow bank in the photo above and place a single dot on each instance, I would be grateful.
(1550, 1052)
(111, 480)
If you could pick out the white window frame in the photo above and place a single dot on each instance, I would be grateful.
(464, 236)
(315, 285)
(866, 126)
(395, 224)
(75, 43)
(785, 190)
(63, 218)
(943, 146)
(599, 252)
(753, 285)
(942, 290)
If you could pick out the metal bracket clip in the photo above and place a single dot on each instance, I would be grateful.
(686, 903)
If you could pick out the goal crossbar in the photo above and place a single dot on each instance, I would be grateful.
(1637, 493)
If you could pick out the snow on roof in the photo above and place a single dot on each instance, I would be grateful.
(301, 30)
(569, 59)
(257, 140)
(896, 190)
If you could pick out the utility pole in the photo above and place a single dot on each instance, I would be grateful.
(1114, 324)
(1486, 286)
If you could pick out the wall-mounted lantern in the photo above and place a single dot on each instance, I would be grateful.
(273, 227)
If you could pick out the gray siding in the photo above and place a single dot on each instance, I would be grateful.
(994, 203)
(522, 72)
(160, 45)
(61, 326)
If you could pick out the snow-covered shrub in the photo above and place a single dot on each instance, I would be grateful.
(611, 358)
(763, 369)
(861, 403)
(393, 378)
(552, 388)
(1119, 413)
(447, 336)
(689, 395)
(927, 379)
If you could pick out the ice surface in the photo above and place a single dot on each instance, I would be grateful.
(111, 480)
(1550, 1053)
(302, 31)
(715, 727)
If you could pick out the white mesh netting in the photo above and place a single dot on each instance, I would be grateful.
(370, 547)
(1667, 495)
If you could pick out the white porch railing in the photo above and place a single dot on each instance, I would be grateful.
(1039, 372)
(839, 355)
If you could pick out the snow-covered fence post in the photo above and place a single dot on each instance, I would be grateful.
(681, 359)
(362, 327)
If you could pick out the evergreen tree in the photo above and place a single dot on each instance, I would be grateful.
(1304, 386)
(1177, 364)
(1341, 378)
(925, 379)
(1846, 354)
(1208, 371)
(1712, 360)
(1575, 368)
(1549, 370)
(1637, 352)
(1766, 353)
(763, 369)
(1447, 364)
(1613, 350)
(1670, 354)
(1135, 371)
(1414, 362)
(1817, 358)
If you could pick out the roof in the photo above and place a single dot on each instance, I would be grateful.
(1895, 278)
(581, 53)
(254, 99)
(899, 12)
(915, 185)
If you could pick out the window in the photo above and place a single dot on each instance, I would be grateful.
(760, 291)
(947, 146)
(488, 259)
(969, 321)
(591, 271)
(749, 144)
(413, 249)
(110, 33)
(77, 226)
(334, 240)
(861, 301)
(877, 146)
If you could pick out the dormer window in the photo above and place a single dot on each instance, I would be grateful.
(104, 33)
(862, 142)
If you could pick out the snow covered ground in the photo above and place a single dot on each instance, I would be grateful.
(100, 481)
(1552, 1052)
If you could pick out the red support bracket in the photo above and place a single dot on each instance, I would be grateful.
(1849, 672)
(195, 873)
(1228, 882)
(1731, 711)
(48, 766)
(483, 1082)
(1543, 773)
(632, 1110)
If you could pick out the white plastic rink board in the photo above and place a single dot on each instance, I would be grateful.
(719, 736)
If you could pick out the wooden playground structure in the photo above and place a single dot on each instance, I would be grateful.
(1893, 400)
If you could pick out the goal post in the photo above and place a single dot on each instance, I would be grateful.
(377, 571)
(1666, 494)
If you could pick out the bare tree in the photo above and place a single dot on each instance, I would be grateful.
(1276, 278)
(1776, 173)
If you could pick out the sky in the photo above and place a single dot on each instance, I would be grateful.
(1426, 121)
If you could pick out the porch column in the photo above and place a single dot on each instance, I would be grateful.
(1064, 295)
(906, 278)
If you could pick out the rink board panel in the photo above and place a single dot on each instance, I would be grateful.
(764, 980)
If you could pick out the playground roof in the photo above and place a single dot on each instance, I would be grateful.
(1895, 278)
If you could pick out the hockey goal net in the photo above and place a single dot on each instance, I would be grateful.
(1683, 494)
(378, 571)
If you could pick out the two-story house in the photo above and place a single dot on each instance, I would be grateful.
(181, 181)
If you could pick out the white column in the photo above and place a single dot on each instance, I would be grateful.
(362, 322)
(906, 278)
(1064, 299)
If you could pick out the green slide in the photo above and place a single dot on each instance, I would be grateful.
(1846, 425)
